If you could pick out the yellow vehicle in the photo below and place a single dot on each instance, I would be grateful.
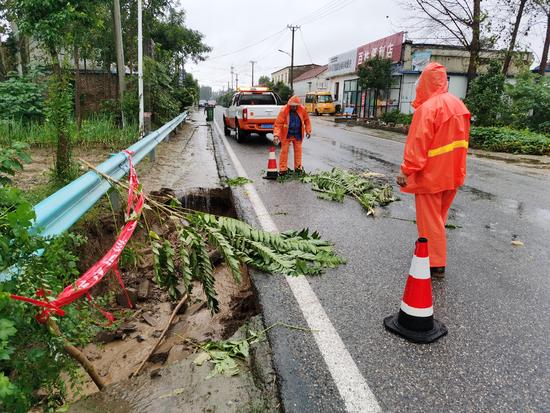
(320, 103)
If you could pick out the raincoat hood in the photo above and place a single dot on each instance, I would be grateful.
(432, 82)
(294, 100)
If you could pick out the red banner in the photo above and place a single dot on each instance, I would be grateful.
(109, 261)
(388, 47)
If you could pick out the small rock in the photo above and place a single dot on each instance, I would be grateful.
(128, 328)
(140, 338)
(159, 357)
(148, 318)
(107, 336)
(155, 373)
(123, 301)
(517, 243)
(143, 289)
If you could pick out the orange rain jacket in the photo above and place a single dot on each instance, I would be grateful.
(280, 128)
(437, 143)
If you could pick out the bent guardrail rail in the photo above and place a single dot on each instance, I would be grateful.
(58, 212)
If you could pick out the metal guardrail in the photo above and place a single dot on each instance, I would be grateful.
(58, 212)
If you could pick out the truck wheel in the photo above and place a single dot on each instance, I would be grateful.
(240, 135)
(226, 130)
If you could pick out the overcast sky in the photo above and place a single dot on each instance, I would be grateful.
(328, 27)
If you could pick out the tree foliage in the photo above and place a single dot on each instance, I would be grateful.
(484, 98)
(375, 73)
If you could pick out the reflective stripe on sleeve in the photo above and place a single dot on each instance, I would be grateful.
(448, 148)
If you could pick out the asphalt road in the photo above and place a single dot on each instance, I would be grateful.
(494, 300)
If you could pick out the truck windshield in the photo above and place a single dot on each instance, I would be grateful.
(257, 99)
(324, 99)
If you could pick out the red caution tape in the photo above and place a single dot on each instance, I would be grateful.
(109, 261)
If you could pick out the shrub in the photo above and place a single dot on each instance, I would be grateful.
(509, 140)
(22, 99)
(395, 116)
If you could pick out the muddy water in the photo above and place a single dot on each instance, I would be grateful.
(170, 382)
(186, 160)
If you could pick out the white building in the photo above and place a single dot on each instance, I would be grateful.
(312, 81)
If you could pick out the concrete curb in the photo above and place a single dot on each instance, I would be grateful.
(261, 361)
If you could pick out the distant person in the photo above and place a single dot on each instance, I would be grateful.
(291, 126)
(434, 162)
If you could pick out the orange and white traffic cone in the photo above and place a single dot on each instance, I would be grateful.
(415, 320)
(272, 172)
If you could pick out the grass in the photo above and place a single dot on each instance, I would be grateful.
(99, 130)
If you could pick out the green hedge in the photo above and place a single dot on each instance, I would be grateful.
(509, 140)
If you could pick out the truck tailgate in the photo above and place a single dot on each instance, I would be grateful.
(263, 111)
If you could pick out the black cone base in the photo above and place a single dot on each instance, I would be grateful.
(422, 337)
(271, 175)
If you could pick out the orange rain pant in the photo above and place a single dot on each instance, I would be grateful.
(431, 216)
(283, 157)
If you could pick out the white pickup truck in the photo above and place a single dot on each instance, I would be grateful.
(252, 110)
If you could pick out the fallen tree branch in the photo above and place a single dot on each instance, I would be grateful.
(168, 324)
(79, 356)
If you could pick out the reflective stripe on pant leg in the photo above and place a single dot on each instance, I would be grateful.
(297, 154)
(283, 156)
(431, 225)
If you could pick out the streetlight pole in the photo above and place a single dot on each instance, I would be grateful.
(292, 29)
(252, 63)
(236, 80)
(232, 77)
(140, 69)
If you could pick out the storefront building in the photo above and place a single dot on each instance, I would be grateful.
(408, 61)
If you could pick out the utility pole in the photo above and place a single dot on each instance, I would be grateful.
(236, 81)
(140, 69)
(121, 71)
(232, 77)
(292, 29)
(252, 62)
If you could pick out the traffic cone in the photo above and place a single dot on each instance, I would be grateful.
(415, 320)
(272, 172)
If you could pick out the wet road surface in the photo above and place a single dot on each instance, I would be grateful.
(494, 300)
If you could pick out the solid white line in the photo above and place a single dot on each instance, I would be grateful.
(351, 384)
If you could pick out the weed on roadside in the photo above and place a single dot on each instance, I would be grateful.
(239, 181)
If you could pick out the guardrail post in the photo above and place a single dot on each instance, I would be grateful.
(114, 199)
(153, 154)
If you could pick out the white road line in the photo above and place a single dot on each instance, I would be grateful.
(351, 384)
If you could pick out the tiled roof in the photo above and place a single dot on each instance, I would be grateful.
(311, 73)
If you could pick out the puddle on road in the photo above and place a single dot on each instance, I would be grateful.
(478, 193)
(362, 154)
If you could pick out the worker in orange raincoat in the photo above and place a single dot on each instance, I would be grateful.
(291, 126)
(434, 162)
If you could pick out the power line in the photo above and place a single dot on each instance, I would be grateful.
(246, 47)
(324, 9)
(334, 9)
(307, 49)
(319, 11)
